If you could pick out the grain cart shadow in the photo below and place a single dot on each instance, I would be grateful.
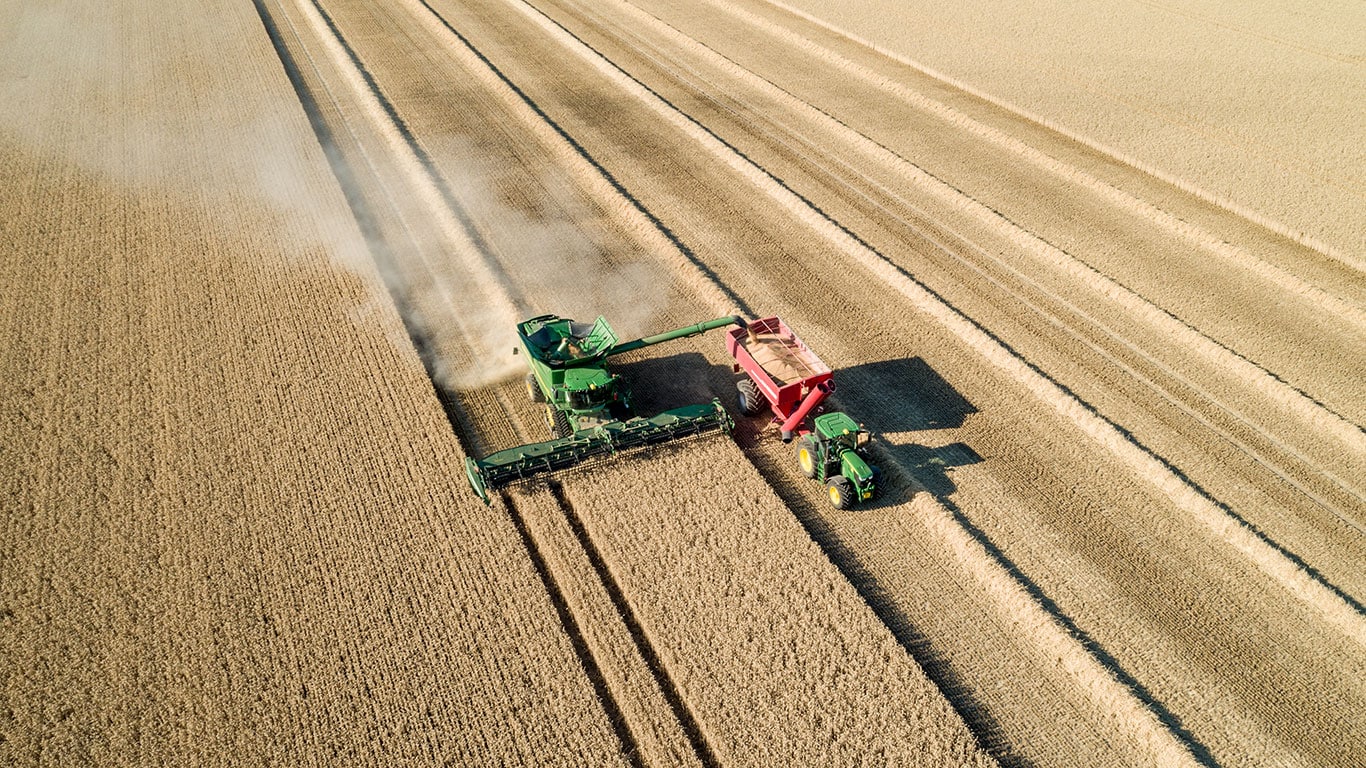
(902, 395)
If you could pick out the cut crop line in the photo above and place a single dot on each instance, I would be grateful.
(376, 243)
(691, 727)
(629, 745)
(1332, 605)
(1191, 231)
(651, 233)
(1309, 409)
(1302, 404)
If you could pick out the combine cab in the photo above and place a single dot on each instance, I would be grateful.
(587, 407)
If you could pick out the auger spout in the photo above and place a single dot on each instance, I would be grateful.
(678, 333)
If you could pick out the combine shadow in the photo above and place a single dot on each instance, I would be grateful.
(659, 382)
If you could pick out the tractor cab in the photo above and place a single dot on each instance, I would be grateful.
(841, 430)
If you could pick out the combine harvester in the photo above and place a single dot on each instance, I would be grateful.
(589, 413)
(587, 407)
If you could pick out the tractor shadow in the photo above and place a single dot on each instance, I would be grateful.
(930, 468)
(888, 397)
(907, 395)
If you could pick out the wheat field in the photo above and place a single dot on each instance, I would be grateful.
(1091, 277)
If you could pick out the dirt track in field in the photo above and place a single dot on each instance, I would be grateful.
(1123, 521)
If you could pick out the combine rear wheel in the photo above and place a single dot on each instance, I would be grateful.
(806, 456)
(840, 491)
(558, 422)
(751, 402)
(533, 390)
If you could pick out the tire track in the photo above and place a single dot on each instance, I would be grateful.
(1164, 323)
(630, 745)
(1238, 257)
(497, 305)
(1262, 220)
(635, 205)
(696, 736)
(1259, 549)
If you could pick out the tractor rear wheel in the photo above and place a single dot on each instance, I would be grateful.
(751, 402)
(533, 390)
(806, 456)
(840, 491)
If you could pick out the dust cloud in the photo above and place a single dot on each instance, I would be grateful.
(162, 122)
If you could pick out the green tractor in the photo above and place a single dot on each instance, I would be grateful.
(587, 407)
(832, 453)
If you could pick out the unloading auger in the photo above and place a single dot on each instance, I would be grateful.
(587, 407)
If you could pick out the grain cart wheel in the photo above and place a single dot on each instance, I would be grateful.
(806, 456)
(533, 390)
(557, 421)
(840, 491)
(751, 402)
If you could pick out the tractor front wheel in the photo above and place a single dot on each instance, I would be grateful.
(751, 402)
(533, 390)
(806, 456)
(840, 491)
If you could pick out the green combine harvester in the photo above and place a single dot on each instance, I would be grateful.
(587, 407)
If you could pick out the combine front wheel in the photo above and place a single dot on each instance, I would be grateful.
(557, 421)
(533, 390)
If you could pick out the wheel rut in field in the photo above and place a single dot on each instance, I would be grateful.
(1352, 260)
(794, 272)
(652, 222)
(584, 155)
(1099, 680)
(1167, 383)
(646, 648)
(1238, 257)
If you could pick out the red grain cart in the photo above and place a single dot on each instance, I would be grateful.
(784, 374)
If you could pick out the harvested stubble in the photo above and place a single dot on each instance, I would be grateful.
(229, 525)
(775, 653)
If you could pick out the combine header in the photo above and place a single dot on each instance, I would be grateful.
(588, 408)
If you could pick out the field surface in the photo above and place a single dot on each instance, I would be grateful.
(1094, 282)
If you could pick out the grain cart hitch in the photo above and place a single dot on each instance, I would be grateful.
(587, 407)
